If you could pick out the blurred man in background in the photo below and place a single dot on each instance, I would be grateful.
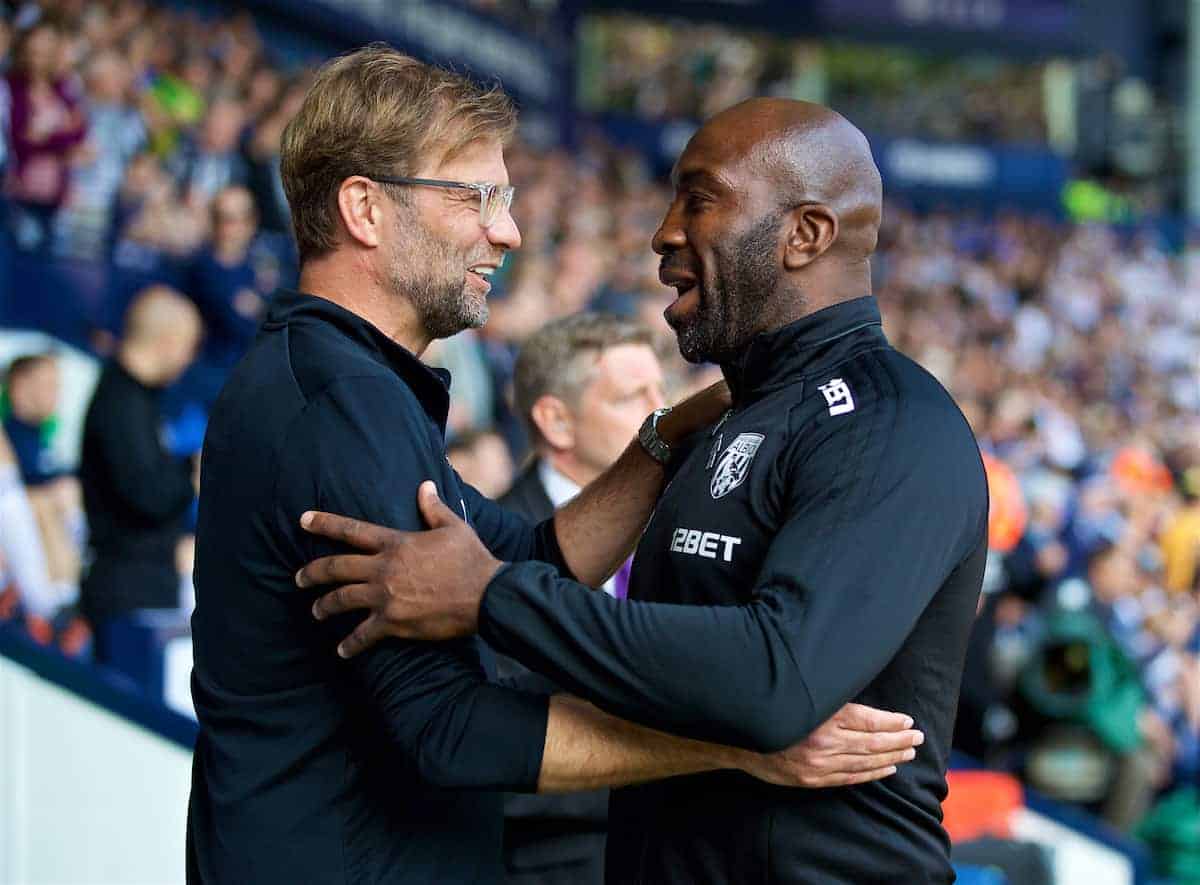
(583, 386)
(136, 494)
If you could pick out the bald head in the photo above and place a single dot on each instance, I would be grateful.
(162, 331)
(809, 154)
(159, 311)
(775, 215)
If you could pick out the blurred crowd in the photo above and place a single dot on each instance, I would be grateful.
(1074, 354)
(683, 70)
(148, 140)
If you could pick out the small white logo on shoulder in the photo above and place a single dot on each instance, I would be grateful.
(837, 396)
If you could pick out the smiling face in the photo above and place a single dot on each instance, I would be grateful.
(720, 244)
(441, 257)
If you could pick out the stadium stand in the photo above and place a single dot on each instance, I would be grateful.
(140, 146)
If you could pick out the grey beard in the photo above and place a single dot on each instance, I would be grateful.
(444, 307)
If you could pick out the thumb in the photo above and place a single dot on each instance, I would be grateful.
(437, 515)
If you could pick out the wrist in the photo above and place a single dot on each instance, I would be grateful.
(698, 411)
(472, 612)
(738, 759)
(674, 427)
(651, 438)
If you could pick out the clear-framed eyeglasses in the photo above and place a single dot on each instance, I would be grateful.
(494, 199)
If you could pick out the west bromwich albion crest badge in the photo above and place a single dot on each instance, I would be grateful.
(734, 464)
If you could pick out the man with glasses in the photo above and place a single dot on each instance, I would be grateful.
(389, 767)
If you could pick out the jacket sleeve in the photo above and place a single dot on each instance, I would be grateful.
(865, 542)
(510, 536)
(433, 699)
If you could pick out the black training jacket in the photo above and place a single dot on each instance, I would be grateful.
(824, 543)
(388, 767)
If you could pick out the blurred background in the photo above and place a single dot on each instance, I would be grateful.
(1039, 254)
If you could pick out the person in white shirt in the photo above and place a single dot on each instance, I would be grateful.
(583, 386)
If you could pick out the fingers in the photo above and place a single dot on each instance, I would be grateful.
(851, 764)
(355, 532)
(861, 743)
(348, 598)
(364, 636)
(347, 568)
(436, 513)
(859, 717)
(859, 777)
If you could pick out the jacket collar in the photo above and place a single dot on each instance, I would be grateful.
(431, 386)
(774, 358)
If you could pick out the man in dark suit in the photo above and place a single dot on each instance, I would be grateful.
(583, 385)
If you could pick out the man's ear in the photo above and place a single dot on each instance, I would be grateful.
(358, 201)
(812, 228)
(554, 422)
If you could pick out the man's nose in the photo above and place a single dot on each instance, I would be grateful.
(504, 232)
(669, 235)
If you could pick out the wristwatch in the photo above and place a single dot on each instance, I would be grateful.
(653, 444)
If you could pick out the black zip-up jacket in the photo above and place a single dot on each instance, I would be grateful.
(825, 543)
(388, 767)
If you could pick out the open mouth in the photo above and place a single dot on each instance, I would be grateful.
(684, 305)
(687, 300)
(479, 274)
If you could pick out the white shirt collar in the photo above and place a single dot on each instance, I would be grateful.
(559, 488)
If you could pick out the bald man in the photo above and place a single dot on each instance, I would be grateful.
(823, 543)
(135, 493)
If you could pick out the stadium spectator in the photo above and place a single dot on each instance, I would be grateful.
(583, 386)
(135, 493)
(1180, 540)
(31, 396)
(25, 580)
(228, 285)
(262, 156)
(116, 134)
(213, 160)
(31, 388)
(47, 126)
